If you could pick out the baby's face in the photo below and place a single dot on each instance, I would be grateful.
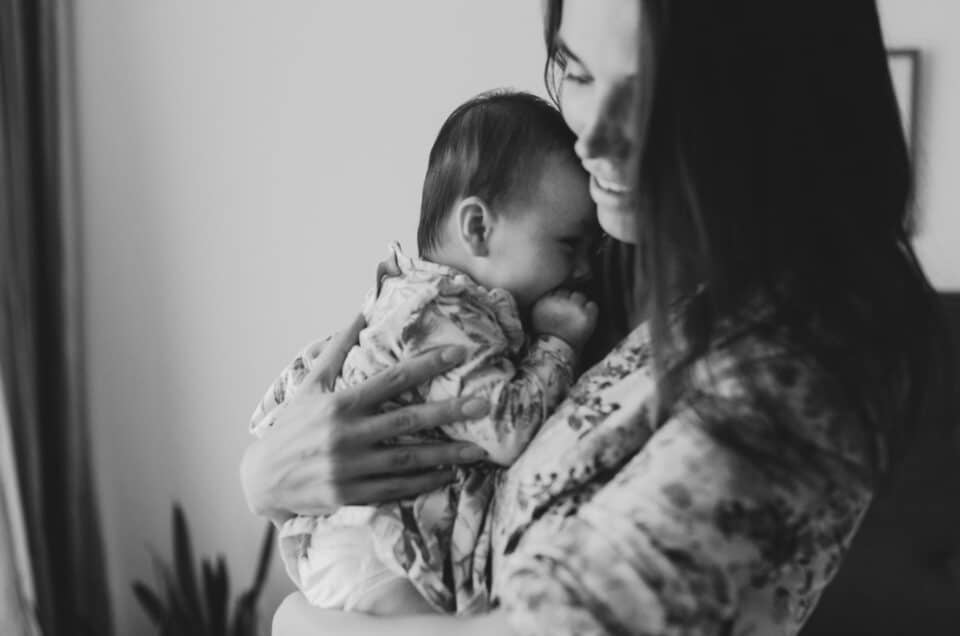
(545, 238)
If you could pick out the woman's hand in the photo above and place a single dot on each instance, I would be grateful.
(323, 452)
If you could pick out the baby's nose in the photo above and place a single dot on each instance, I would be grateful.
(582, 275)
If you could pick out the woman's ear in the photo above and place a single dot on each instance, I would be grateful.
(475, 222)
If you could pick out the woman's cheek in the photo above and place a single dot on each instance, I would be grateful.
(572, 105)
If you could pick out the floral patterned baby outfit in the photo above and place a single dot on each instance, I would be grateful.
(730, 517)
(439, 540)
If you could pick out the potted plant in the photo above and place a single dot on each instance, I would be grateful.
(183, 605)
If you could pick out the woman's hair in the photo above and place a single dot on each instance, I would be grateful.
(772, 160)
(490, 147)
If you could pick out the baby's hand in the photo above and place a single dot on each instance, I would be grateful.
(566, 315)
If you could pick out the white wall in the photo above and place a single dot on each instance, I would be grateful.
(931, 26)
(244, 164)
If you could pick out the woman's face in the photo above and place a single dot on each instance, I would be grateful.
(599, 42)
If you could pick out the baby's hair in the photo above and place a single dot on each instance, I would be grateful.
(489, 147)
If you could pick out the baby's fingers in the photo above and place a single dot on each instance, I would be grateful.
(578, 298)
(592, 312)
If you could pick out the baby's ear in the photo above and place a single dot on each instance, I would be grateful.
(475, 221)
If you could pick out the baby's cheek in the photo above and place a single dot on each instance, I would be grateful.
(564, 268)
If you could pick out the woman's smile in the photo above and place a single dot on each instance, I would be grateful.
(611, 186)
(611, 196)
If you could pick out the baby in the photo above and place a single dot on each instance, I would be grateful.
(506, 229)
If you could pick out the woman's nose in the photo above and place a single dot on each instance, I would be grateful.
(607, 127)
(593, 142)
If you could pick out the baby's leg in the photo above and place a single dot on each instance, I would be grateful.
(393, 598)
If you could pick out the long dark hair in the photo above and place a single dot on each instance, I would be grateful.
(773, 161)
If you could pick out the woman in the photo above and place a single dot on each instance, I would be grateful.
(708, 474)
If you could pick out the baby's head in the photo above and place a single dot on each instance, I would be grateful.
(505, 198)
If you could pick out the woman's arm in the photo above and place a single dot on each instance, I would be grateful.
(296, 617)
(322, 451)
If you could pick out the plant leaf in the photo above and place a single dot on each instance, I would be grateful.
(185, 604)
(245, 612)
(225, 577)
(266, 550)
(245, 616)
(181, 620)
(215, 593)
(183, 563)
(150, 602)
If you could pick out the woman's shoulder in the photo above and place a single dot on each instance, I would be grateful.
(770, 385)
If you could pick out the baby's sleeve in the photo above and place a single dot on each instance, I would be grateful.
(283, 388)
(522, 391)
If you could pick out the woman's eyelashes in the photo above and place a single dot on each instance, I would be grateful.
(571, 69)
(576, 75)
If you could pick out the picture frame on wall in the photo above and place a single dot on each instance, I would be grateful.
(905, 73)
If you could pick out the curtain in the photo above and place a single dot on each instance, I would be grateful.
(17, 597)
(41, 361)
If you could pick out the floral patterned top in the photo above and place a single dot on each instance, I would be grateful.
(428, 306)
(730, 517)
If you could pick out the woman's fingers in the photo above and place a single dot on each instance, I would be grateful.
(304, 501)
(328, 364)
(404, 375)
(371, 491)
(415, 418)
(380, 474)
(409, 458)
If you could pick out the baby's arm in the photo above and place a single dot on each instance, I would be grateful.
(522, 393)
(283, 387)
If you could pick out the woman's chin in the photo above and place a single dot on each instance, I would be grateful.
(619, 222)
